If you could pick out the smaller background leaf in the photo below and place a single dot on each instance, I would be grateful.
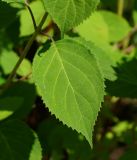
(125, 85)
(9, 105)
(60, 138)
(16, 1)
(17, 141)
(8, 59)
(28, 94)
(105, 24)
(7, 14)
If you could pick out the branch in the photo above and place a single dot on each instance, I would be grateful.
(25, 52)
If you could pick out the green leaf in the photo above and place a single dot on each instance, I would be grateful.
(93, 28)
(26, 92)
(9, 105)
(36, 152)
(7, 14)
(5, 42)
(107, 25)
(70, 84)
(14, 35)
(103, 60)
(135, 17)
(25, 68)
(8, 59)
(16, 1)
(126, 84)
(17, 141)
(109, 4)
(2, 80)
(118, 27)
(26, 26)
(69, 13)
(97, 30)
(60, 138)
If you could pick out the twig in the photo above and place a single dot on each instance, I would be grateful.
(134, 29)
(120, 7)
(31, 13)
(25, 52)
(25, 77)
(124, 43)
(129, 49)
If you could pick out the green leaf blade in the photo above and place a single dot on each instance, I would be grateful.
(17, 141)
(69, 13)
(125, 85)
(103, 60)
(14, 1)
(104, 24)
(21, 90)
(7, 14)
(9, 58)
(71, 85)
(9, 105)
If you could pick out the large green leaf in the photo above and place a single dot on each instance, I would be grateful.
(69, 13)
(71, 84)
(18, 142)
(104, 61)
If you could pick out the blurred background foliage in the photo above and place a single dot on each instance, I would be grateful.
(113, 29)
